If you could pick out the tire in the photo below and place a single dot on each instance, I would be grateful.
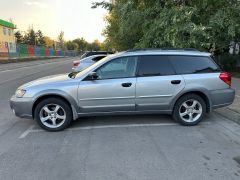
(186, 113)
(53, 114)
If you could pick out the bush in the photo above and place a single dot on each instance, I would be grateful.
(228, 62)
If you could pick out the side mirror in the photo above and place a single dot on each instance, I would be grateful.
(93, 76)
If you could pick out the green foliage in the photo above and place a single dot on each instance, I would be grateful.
(30, 38)
(61, 40)
(19, 37)
(228, 62)
(40, 40)
(103, 4)
(82, 45)
(71, 45)
(202, 24)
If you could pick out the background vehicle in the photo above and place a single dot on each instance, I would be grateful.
(186, 84)
(86, 62)
(92, 53)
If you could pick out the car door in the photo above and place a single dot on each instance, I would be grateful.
(157, 83)
(114, 90)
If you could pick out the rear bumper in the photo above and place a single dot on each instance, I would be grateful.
(223, 97)
(21, 107)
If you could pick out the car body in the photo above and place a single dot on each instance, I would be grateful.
(84, 63)
(184, 83)
(92, 53)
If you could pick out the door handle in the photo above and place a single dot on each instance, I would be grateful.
(126, 84)
(176, 81)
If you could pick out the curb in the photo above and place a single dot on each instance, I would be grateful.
(17, 60)
(228, 114)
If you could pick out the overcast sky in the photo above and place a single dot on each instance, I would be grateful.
(74, 17)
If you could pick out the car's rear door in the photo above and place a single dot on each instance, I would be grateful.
(113, 91)
(157, 83)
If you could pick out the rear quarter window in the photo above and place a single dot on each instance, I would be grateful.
(155, 65)
(193, 64)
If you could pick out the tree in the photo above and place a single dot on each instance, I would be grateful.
(19, 37)
(30, 37)
(94, 46)
(70, 45)
(48, 42)
(61, 40)
(82, 44)
(40, 40)
(202, 24)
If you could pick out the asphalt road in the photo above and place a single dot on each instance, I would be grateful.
(149, 147)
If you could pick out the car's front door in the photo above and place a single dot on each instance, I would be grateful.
(157, 83)
(114, 90)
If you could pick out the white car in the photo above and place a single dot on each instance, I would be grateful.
(84, 63)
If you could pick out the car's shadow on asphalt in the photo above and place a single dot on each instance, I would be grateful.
(122, 120)
(119, 120)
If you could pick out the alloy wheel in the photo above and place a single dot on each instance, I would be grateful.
(52, 115)
(190, 110)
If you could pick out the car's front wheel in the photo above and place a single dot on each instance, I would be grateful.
(189, 110)
(53, 114)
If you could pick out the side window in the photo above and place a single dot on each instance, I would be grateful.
(118, 68)
(155, 66)
(193, 64)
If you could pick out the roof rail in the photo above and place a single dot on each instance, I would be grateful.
(162, 49)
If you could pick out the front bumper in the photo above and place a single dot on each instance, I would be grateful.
(22, 107)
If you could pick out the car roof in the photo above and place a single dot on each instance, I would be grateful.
(187, 52)
(93, 56)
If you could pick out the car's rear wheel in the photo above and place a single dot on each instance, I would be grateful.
(53, 114)
(189, 110)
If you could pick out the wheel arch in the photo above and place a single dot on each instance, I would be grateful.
(72, 104)
(200, 93)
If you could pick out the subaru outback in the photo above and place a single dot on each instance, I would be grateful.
(184, 83)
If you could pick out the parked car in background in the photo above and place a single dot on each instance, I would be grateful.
(82, 64)
(187, 84)
(91, 53)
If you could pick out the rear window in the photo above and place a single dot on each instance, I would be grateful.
(98, 58)
(193, 64)
(155, 66)
(87, 54)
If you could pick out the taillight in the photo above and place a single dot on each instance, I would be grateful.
(76, 63)
(226, 77)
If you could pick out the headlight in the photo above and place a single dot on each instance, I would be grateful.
(20, 92)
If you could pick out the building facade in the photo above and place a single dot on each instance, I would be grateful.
(7, 38)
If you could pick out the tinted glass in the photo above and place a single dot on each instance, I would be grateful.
(87, 54)
(118, 68)
(155, 66)
(98, 58)
(193, 64)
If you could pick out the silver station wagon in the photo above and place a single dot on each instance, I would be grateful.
(185, 83)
